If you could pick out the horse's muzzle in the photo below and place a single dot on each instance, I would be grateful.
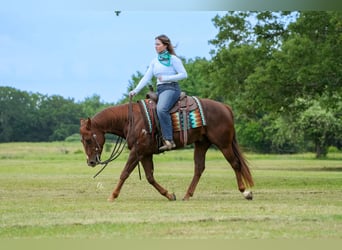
(93, 161)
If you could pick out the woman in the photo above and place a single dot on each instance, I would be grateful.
(168, 69)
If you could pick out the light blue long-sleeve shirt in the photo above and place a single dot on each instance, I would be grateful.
(173, 73)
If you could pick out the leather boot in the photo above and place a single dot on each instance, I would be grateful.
(168, 145)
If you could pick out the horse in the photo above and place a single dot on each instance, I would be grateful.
(127, 121)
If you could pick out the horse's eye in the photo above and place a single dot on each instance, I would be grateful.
(86, 141)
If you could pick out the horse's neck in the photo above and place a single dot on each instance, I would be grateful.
(113, 120)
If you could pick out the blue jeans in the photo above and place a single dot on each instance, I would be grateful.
(168, 95)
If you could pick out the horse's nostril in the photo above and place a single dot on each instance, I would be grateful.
(92, 163)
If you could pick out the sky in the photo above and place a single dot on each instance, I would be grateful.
(77, 53)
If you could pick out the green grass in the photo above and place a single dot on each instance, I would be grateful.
(47, 191)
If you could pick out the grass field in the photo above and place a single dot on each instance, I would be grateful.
(47, 191)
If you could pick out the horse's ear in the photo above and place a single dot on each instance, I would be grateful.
(86, 122)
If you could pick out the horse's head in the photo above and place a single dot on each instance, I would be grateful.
(92, 140)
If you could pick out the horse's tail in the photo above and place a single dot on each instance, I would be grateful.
(245, 172)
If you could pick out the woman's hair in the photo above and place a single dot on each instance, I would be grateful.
(166, 41)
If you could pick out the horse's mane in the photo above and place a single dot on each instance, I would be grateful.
(110, 115)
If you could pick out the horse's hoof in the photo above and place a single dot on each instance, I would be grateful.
(110, 199)
(186, 198)
(173, 197)
(248, 195)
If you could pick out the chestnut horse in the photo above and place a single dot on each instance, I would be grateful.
(127, 121)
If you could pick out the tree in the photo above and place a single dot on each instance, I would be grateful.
(306, 67)
(18, 115)
(91, 105)
(198, 82)
(59, 118)
(320, 126)
(265, 62)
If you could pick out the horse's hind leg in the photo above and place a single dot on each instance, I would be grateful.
(147, 162)
(201, 149)
(230, 157)
(237, 167)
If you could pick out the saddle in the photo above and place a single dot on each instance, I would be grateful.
(184, 102)
(185, 114)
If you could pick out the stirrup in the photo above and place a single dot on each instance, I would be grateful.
(168, 145)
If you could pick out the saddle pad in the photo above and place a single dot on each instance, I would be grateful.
(194, 120)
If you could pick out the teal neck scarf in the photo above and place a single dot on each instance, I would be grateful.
(164, 58)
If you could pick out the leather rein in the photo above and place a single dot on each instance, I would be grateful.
(119, 145)
(117, 150)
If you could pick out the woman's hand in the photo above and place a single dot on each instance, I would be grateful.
(132, 93)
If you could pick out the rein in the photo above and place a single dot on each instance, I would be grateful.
(131, 129)
(119, 146)
(117, 150)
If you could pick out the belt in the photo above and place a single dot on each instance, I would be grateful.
(165, 83)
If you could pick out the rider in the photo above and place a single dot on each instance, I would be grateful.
(168, 69)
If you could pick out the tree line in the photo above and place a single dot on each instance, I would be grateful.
(279, 71)
(36, 117)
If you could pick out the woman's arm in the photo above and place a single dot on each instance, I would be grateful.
(179, 68)
(146, 78)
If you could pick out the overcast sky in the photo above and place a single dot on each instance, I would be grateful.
(77, 53)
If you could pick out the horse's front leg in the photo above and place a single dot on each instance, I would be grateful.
(201, 149)
(129, 167)
(147, 162)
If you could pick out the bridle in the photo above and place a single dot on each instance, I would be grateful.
(119, 145)
(97, 149)
(117, 150)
